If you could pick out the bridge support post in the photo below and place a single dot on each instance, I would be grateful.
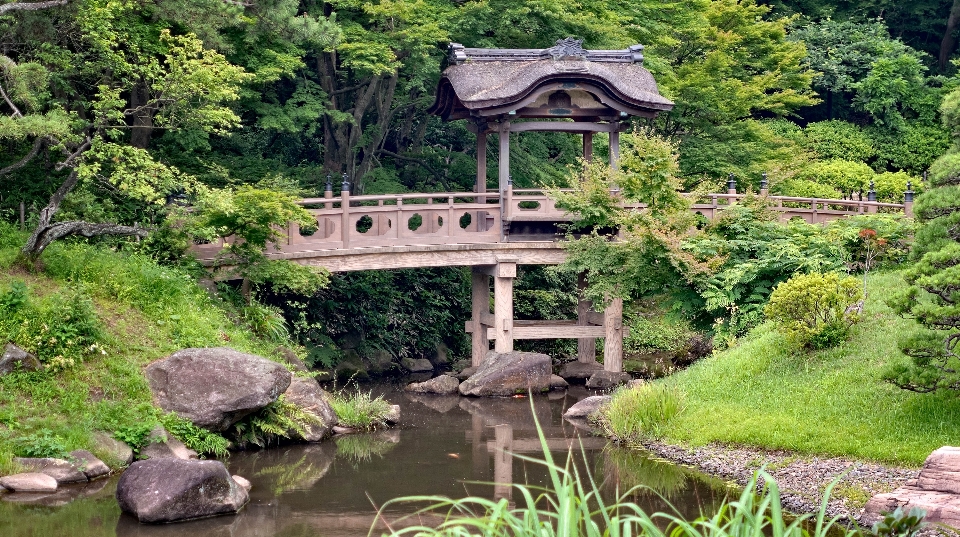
(586, 347)
(481, 307)
(613, 336)
(504, 274)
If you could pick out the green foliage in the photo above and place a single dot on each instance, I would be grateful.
(360, 410)
(842, 175)
(265, 321)
(654, 333)
(361, 448)
(812, 309)
(900, 523)
(642, 412)
(41, 444)
(135, 435)
(279, 419)
(198, 439)
(61, 329)
(839, 140)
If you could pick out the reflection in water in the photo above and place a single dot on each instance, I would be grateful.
(446, 445)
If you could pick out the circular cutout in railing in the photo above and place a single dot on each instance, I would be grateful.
(529, 205)
(201, 241)
(364, 223)
(310, 229)
(439, 221)
(414, 222)
(465, 220)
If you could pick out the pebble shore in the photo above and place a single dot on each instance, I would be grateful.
(802, 478)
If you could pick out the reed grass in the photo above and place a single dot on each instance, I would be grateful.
(573, 506)
(359, 410)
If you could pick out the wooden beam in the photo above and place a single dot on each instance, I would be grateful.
(613, 336)
(588, 146)
(504, 155)
(586, 347)
(564, 126)
(549, 330)
(481, 309)
(614, 146)
(503, 313)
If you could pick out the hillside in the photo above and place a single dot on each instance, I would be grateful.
(762, 393)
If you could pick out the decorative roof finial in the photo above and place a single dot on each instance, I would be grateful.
(566, 49)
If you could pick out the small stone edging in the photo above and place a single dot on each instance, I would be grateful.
(802, 479)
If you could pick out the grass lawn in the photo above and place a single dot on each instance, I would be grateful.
(762, 393)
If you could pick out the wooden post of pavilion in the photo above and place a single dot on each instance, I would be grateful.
(504, 273)
(588, 146)
(586, 347)
(481, 175)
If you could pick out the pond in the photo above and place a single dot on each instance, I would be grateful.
(445, 445)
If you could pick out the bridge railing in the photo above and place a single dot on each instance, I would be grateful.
(346, 221)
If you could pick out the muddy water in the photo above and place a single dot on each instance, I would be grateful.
(448, 446)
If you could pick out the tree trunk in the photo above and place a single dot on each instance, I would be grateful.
(948, 42)
(142, 121)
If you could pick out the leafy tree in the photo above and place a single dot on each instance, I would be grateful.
(814, 309)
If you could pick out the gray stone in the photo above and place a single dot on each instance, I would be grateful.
(115, 452)
(378, 361)
(351, 368)
(416, 365)
(306, 394)
(587, 407)
(163, 445)
(579, 371)
(243, 482)
(62, 470)
(440, 355)
(557, 383)
(29, 482)
(392, 416)
(91, 466)
(214, 388)
(508, 374)
(442, 385)
(339, 429)
(16, 359)
(169, 490)
(936, 490)
(604, 380)
(466, 373)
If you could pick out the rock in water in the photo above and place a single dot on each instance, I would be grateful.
(936, 490)
(557, 383)
(169, 490)
(16, 359)
(90, 465)
(163, 445)
(579, 371)
(61, 470)
(392, 417)
(214, 388)
(510, 373)
(243, 482)
(442, 385)
(466, 373)
(29, 482)
(306, 394)
(604, 380)
(587, 407)
(416, 365)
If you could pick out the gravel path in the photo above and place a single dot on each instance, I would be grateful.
(801, 478)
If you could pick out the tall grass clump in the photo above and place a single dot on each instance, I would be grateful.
(641, 412)
(571, 505)
(360, 410)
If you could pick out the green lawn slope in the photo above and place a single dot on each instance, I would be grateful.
(763, 393)
(146, 312)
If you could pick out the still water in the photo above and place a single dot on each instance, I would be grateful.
(445, 445)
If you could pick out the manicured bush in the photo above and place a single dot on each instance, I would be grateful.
(837, 139)
(812, 308)
(843, 175)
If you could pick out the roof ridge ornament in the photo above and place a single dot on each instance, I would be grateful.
(569, 48)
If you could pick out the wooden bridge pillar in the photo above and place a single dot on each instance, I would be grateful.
(613, 338)
(586, 347)
(503, 277)
(481, 308)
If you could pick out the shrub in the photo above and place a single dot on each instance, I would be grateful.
(843, 175)
(839, 140)
(200, 440)
(812, 308)
(279, 419)
(890, 186)
(41, 444)
(805, 188)
(640, 412)
(265, 321)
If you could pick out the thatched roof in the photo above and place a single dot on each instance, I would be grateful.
(588, 83)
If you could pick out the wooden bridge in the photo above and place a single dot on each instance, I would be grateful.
(507, 92)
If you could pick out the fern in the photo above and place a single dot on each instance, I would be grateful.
(279, 419)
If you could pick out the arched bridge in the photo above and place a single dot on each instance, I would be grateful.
(492, 233)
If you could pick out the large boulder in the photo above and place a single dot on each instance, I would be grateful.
(163, 445)
(16, 359)
(29, 482)
(587, 407)
(936, 490)
(442, 385)
(416, 365)
(306, 394)
(510, 373)
(112, 451)
(215, 388)
(169, 490)
(62, 470)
